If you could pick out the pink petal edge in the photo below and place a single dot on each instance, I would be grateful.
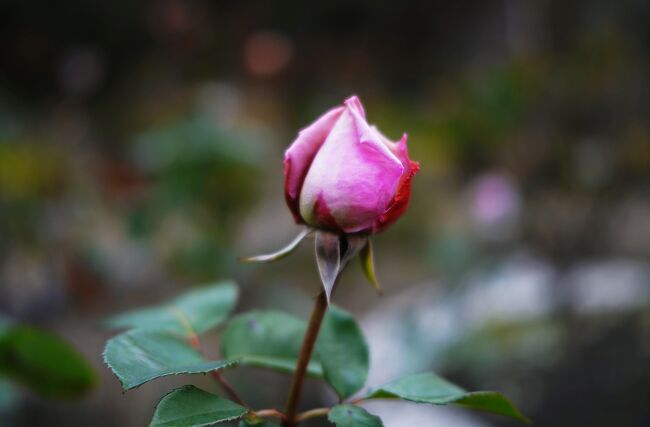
(300, 155)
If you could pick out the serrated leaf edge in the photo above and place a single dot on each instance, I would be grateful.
(358, 407)
(384, 394)
(229, 363)
(188, 386)
(172, 306)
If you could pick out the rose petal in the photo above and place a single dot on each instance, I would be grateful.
(301, 153)
(354, 103)
(354, 174)
(370, 135)
(400, 202)
(394, 147)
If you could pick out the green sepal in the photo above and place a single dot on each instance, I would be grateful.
(328, 259)
(366, 256)
(279, 254)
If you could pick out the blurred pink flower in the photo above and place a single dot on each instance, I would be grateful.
(343, 175)
(495, 200)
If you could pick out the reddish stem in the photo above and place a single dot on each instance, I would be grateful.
(195, 342)
(317, 314)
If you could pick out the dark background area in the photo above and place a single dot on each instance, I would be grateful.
(141, 152)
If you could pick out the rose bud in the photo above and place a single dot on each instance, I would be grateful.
(343, 175)
(345, 181)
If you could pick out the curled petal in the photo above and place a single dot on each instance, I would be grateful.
(300, 155)
(354, 104)
(400, 201)
(367, 134)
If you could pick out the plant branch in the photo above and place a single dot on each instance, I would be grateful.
(317, 314)
(195, 342)
(270, 413)
(230, 391)
(312, 413)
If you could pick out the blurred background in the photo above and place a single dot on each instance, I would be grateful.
(141, 151)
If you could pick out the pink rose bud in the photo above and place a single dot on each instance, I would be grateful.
(343, 175)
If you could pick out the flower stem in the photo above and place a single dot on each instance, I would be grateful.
(317, 314)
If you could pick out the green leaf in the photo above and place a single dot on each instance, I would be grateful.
(140, 355)
(44, 363)
(268, 339)
(430, 388)
(420, 388)
(353, 416)
(491, 401)
(197, 311)
(343, 352)
(189, 406)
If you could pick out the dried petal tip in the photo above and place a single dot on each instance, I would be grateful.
(282, 253)
(328, 259)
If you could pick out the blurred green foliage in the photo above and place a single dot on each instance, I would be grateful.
(123, 172)
(44, 363)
